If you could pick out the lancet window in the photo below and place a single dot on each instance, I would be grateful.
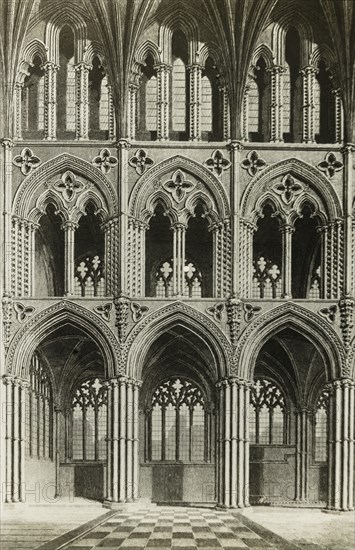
(267, 411)
(89, 421)
(177, 423)
(66, 102)
(39, 412)
(99, 103)
(321, 427)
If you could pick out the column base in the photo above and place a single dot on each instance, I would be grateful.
(337, 512)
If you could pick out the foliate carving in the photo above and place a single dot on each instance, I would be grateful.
(7, 306)
(250, 311)
(288, 189)
(234, 315)
(26, 161)
(138, 311)
(329, 313)
(216, 311)
(140, 161)
(105, 161)
(69, 186)
(23, 312)
(122, 308)
(104, 311)
(178, 186)
(217, 163)
(346, 307)
(252, 164)
(330, 165)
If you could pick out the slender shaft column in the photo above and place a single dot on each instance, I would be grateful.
(132, 110)
(111, 115)
(16, 440)
(235, 149)
(179, 259)
(50, 100)
(339, 117)
(122, 438)
(341, 435)
(224, 112)
(276, 103)
(18, 111)
(129, 440)
(82, 101)
(287, 231)
(57, 417)
(233, 474)
(23, 389)
(309, 75)
(195, 74)
(163, 79)
(245, 117)
(302, 453)
(115, 439)
(123, 147)
(348, 153)
(111, 230)
(323, 230)
(8, 381)
(69, 242)
(135, 450)
(109, 443)
(7, 198)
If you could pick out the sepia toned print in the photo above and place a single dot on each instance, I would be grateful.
(177, 274)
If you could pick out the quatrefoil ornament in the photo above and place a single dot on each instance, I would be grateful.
(330, 165)
(26, 161)
(140, 161)
(217, 163)
(252, 164)
(178, 186)
(288, 189)
(105, 161)
(69, 186)
(22, 311)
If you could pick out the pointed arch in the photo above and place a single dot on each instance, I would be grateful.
(299, 169)
(210, 49)
(178, 19)
(35, 48)
(143, 187)
(303, 321)
(151, 327)
(92, 50)
(67, 15)
(25, 195)
(28, 338)
(148, 48)
(292, 17)
(265, 52)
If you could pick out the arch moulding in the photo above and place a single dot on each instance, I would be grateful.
(178, 313)
(303, 321)
(27, 339)
(298, 169)
(58, 165)
(142, 191)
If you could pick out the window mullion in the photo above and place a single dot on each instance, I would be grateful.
(84, 432)
(191, 419)
(177, 433)
(271, 421)
(96, 413)
(163, 433)
(257, 410)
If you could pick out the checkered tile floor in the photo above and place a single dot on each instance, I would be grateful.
(179, 528)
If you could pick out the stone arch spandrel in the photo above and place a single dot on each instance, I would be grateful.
(27, 339)
(178, 313)
(302, 320)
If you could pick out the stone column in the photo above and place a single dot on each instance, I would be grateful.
(7, 145)
(179, 230)
(50, 100)
(18, 111)
(122, 150)
(245, 113)
(69, 228)
(111, 230)
(195, 76)
(57, 416)
(82, 101)
(339, 117)
(341, 446)
(303, 432)
(235, 150)
(163, 103)
(348, 155)
(111, 115)
(287, 231)
(276, 103)
(323, 231)
(132, 110)
(233, 443)
(309, 75)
